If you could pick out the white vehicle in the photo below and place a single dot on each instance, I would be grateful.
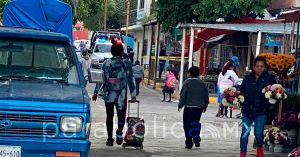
(101, 51)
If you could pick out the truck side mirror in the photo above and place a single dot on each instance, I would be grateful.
(96, 76)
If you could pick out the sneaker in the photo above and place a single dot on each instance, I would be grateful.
(119, 136)
(110, 142)
(197, 145)
(176, 101)
(188, 147)
(218, 114)
(163, 100)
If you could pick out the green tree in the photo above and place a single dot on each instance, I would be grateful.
(172, 12)
(208, 11)
(2, 4)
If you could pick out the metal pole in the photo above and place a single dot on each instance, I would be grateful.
(182, 59)
(127, 21)
(150, 56)
(143, 46)
(284, 38)
(105, 16)
(191, 47)
(297, 54)
(249, 52)
(258, 43)
(156, 53)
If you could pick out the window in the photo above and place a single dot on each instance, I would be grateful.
(142, 4)
(37, 59)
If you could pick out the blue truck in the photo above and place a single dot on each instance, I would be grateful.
(44, 106)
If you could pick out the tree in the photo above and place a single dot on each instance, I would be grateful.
(2, 4)
(172, 12)
(208, 11)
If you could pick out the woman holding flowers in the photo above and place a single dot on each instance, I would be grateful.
(227, 78)
(255, 107)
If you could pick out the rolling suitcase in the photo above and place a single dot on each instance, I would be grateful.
(134, 136)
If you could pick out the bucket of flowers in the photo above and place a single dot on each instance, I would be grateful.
(295, 153)
(231, 97)
(276, 139)
(274, 93)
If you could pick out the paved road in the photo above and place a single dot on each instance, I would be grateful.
(220, 137)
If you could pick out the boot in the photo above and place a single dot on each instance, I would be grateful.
(119, 136)
(260, 152)
(243, 154)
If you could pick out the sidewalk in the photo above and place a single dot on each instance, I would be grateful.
(165, 137)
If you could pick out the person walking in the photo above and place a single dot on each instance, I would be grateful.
(138, 74)
(170, 84)
(227, 78)
(85, 64)
(118, 75)
(162, 62)
(256, 107)
(194, 98)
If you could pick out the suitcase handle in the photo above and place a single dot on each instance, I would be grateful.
(138, 107)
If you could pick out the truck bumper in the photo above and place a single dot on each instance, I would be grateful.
(39, 147)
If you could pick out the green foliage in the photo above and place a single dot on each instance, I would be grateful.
(172, 12)
(208, 11)
(2, 4)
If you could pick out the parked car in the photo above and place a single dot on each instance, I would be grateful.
(100, 52)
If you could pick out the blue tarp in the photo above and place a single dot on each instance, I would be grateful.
(47, 15)
(130, 41)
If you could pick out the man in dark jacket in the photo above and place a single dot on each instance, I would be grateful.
(194, 98)
(256, 106)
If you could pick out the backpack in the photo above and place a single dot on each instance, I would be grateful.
(171, 80)
(116, 75)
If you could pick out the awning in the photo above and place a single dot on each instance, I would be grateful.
(278, 28)
(133, 28)
(212, 42)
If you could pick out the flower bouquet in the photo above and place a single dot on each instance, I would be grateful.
(275, 136)
(295, 153)
(231, 97)
(274, 93)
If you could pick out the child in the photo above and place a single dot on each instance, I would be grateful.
(194, 98)
(169, 85)
(85, 64)
(138, 74)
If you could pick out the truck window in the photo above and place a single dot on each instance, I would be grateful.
(37, 59)
(102, 48)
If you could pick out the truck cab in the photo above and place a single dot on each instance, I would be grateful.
(44, 106)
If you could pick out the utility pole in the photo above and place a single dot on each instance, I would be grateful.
(127, 21)
(105, 16)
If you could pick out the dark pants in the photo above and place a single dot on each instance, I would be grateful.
(224, 109)
(192, 125)
(259, 124)
(110, 116)
(137, 83)
(161, 68)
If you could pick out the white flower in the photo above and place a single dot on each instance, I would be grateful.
(268, 95)
(278, 96)
(241, 99)
(284, 96)
(264, 90)
(224, 102)
(236, 101)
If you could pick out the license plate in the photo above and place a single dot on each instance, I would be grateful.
(10, 151)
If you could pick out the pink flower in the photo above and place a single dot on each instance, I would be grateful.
(231, 99)
(231, 93)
